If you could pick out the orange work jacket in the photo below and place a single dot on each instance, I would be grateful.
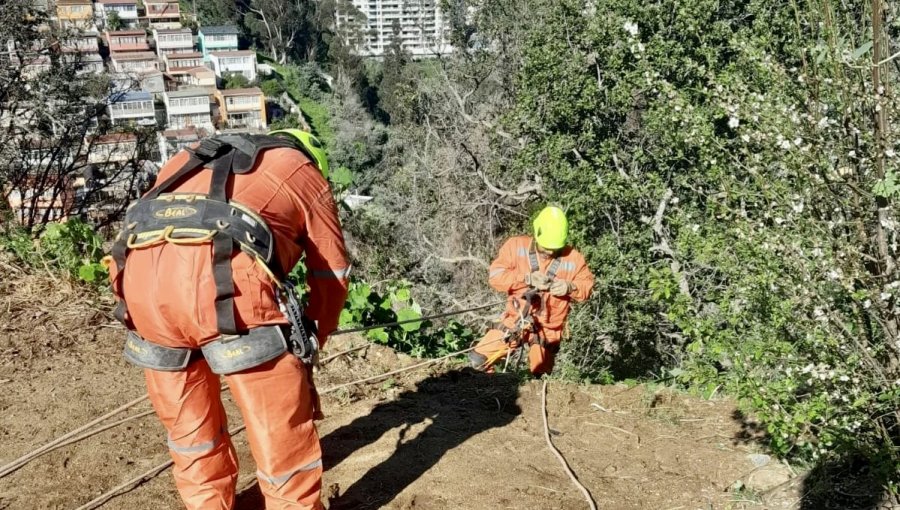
(170, 289)
(507, 274)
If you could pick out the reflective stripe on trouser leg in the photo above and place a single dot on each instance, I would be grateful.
(189, 406)
(275, 400)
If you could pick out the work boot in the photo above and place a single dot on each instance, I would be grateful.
(477, 360)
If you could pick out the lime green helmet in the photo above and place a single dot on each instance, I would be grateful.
(551, 228)
(310, 144)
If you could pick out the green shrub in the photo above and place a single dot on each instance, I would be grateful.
(73, 248)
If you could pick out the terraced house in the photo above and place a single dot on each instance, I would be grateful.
(217, 38)
(227, 63)
(122, 41)
(163, 13)
(125, 10)
(75, 14)
(134, 62)
(173, 40)
(132, 108)
(178, 61)
(188, 108)
(242, 109)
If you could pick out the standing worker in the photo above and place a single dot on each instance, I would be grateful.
(199, 276)
(546, 265)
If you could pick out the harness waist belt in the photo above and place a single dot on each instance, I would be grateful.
(146, 354)
(235, 353)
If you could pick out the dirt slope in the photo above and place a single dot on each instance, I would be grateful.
(437, 439)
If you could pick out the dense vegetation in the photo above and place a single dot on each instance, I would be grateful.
(729, 169)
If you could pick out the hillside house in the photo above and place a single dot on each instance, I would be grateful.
(126, 10)
(173, 41)
(242, 108)
(217, 38)
(124, 41)
(164, 14)
(188, 108)
(226, 63)
(135, 62)
(133, 107)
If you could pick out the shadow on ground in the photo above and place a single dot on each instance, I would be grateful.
(454, 407)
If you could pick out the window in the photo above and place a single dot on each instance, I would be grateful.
(242, 100)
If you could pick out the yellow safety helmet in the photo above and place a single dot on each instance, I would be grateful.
(551, 228)
(310, 145)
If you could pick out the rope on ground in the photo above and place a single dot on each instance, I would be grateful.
(134, 482)
(562, 460)
(25, 459)
(338, 354)
(67, 438)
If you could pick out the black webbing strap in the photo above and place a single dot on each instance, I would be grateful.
(208, 150)
(223, 248)
(119, 250)
(535, 266)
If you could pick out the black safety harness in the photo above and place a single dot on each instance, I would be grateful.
(531, 302)
(162, 216)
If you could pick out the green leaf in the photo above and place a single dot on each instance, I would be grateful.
(378, 335)
(862, 50)
(402, 295)
(342, 177)
(407, 314)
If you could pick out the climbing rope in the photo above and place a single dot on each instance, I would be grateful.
(137, 480)
(80, 434)
(562, 460)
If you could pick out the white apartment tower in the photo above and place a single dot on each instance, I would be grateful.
(424, 30)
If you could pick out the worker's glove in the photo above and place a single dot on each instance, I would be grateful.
(538, 280)
(561, 288)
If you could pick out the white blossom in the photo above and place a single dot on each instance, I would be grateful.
(734, 122)
(631, 27)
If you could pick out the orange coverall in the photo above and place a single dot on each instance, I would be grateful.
(507, 274)
(170, 293)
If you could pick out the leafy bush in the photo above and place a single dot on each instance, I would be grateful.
(72, 247)
(366, 307)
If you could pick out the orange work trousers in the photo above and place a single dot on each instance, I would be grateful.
(276, 403)
(540, 358)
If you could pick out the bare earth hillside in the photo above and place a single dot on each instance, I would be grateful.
(441, 438)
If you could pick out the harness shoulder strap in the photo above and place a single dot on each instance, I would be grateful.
(554, 267)
(535, 265)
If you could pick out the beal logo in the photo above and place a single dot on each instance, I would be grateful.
(183, 211)
(236, 353)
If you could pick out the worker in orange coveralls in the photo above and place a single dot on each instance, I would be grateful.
(544, 264)
(201, 292)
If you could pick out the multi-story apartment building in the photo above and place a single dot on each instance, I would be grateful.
(134, 62)
(116, 148)
(173, 140)
(125, 10)
(225, 63)
(163, 13)
(132, 108)
(122, 41)
(180, 61)
(424, 30)
(82, 49)
(173, 40)
(242, 109)
(217, 38)
(75, 14)
(81, 42)
(188, 108)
